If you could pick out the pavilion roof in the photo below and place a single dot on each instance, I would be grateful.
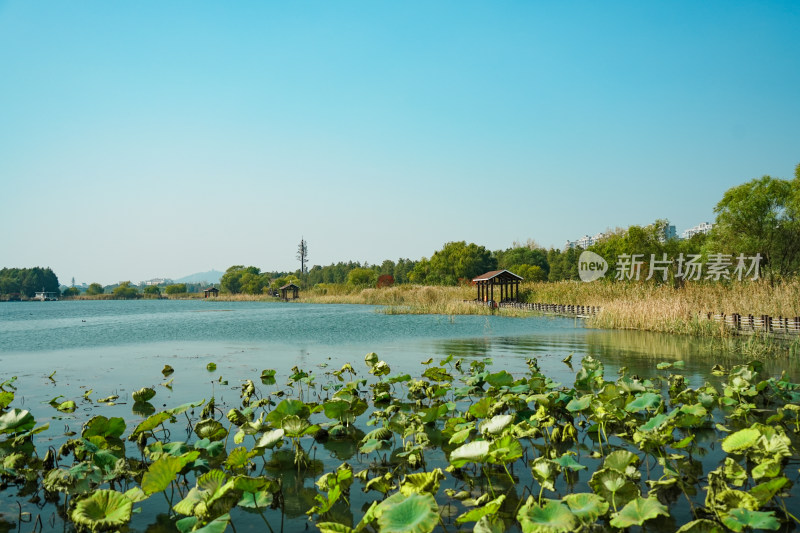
(501, 275)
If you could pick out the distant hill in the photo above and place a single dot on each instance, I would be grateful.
(212, 276)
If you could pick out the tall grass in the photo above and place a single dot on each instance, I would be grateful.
(669, 309)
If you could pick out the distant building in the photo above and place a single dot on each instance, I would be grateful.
(156, 281)
(584, 242)
(703, 227)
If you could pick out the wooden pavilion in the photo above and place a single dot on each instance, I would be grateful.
(211, 291)
(507, 283)
(290, 287)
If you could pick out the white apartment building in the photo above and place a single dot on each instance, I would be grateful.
(703, 227)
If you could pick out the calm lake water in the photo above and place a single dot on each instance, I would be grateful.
(117, 347)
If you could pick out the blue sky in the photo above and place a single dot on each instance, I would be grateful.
(154, 139)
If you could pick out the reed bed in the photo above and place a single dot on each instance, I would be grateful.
(651, 307)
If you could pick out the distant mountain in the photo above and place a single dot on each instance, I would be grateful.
(212, 276)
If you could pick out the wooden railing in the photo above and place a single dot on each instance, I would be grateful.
(556, 309)
(759, 323)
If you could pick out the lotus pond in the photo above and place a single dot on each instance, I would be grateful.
(471, 440)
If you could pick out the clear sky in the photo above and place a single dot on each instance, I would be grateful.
(157, 139)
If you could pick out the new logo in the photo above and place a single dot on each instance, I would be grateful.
(591, 266)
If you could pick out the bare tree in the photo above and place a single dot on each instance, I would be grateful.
(302, 255)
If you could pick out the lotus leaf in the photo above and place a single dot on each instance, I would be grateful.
(437, 374)
(270, 438)
(764, 492)
(646, 401)
(161, 473)
(500, 379)
(472, 452)
(496, 424)
(103, 427)
(506, 449)
(286, 408)
(412, 513)
(545, 472)
(334, 527)
(210, 429)
(614, 487)
(741, 440)
(579, 404)
(738, 519)
(16, 421)
(551, 517)
(103, 510)
(381, 368)
(622, 461)
(586, 506)
(143, 395)
(489, 524)
(211, 367)
(371, 359)
(490, 509)
(769, 468)
(423, 482)
(638, 511)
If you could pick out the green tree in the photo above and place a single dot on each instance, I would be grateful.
(70, 291)
(761, 216)
(175, 288)
(362, 277)
(95, 289)
(152, 290)
(455, 261)
(125, 291)
(232, 278)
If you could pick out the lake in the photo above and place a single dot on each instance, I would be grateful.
(65, 349)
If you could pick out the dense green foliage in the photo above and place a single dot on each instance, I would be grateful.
(761, 216)
(26, 282)
(125, 291)
(70, 291)
(175, 288)
(459, 446)
(455, 262)
(152, 290)
(95, 289)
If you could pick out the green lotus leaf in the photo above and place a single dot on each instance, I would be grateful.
(769, 468)
(255, 500)
(579, 404)
(764, 492)
(144, 395)
(210, 429)
(211, 367)
(741, 440)
(734, 473)
(16, 421)
(185, 407)
(738, 519)
(646, 401)
(545, 472)
(270, 438)
(161, 473)
(412, 513)
(654, 423)
(239, 458)
(567, 461)
(338, 409)
(381, 368)
(101, 426)
(586, 506)
(373, 445)
(218, 525)
(437, 374)
(286, 408)
(6, 397)
(136, 494)
(370, 359)
(460, 436)
(552, 517)
(67, 407)
(294, 426)
(423, 482)
(150, 423)
(167, 370)
(500, 379)
(727, 499)
(701, 526)
(504, 450)
(496, 424)
(638, 511)
(622, 461)
(103, 510)
(614, 487)
(489, 524)
(378, 434)
(489, 508)
(472, 452)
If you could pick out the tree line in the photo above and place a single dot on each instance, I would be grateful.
(26, 282)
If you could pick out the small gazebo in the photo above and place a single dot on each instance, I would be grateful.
(211, 291)
(507, 283)
(285, 292)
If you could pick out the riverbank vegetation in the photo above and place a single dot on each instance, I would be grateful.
(459, 445)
